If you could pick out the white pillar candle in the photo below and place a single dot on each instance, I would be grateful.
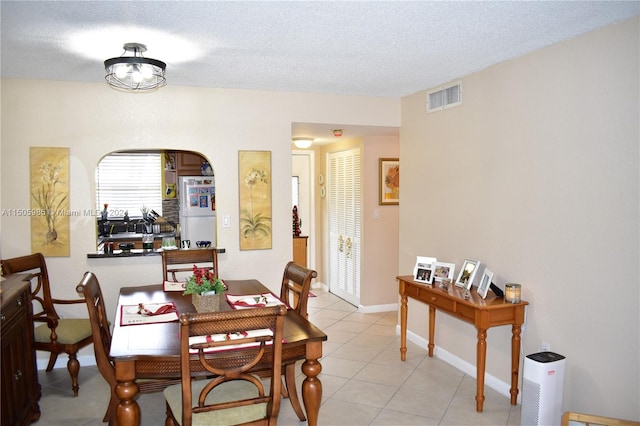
(512, 292)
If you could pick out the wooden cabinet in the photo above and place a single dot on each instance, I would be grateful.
(176, 164)
(20, 387)
(300, 250)
(189, 163)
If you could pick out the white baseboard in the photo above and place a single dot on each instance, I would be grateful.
(378, 308)
(319, 285)
(363, 309)
(462, 365)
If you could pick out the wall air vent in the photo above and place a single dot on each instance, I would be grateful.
(444, 97)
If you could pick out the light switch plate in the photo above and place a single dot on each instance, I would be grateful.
(226, 221)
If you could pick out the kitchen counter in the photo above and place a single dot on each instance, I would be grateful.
(131, 236)
(132, 253)
(135, 238)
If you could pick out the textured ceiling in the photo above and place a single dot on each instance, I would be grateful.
(355, 48)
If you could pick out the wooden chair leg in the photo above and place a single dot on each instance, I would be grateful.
(169, 420)
(74, 368)
(110, 415)
(283, 390)
(52, 361)
(290, 379)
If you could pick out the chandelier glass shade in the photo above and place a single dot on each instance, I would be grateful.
(302, 143)
(135, 73)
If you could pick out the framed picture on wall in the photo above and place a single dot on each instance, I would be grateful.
(467, 273)
(389, 181)
(254, 196)
(423, 271)
(485, 283)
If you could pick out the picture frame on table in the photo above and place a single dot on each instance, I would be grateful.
(444, 271)
(468, 273)
(485, 283)
(423, 271)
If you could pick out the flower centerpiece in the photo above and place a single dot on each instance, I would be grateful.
(205, 289)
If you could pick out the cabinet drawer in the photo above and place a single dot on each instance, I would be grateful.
(431, 297)
(13, 308)
(444, 303)
(414, 292)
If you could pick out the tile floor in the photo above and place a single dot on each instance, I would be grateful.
(364, 382)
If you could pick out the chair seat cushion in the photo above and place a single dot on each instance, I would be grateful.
(69, 331)
(230, 391)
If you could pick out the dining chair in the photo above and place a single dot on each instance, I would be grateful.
(53, 334)
(89, 287)
(217, 352)
(181, 262)
(296, 282)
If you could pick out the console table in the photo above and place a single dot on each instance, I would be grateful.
(482, 313)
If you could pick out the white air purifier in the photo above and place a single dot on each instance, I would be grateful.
(543, 378)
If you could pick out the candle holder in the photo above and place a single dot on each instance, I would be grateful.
(512, 293)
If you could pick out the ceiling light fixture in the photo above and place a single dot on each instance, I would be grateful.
(302, 143)
(135, 73)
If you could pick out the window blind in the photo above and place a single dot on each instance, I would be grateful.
(129, 181)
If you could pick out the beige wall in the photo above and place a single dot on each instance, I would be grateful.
(93, 120)
(537, 174)
(380, 237)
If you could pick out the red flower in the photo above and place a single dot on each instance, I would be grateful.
(203, 281)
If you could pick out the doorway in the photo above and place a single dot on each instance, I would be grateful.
(303, 172)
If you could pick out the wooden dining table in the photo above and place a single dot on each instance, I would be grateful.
(152, 351)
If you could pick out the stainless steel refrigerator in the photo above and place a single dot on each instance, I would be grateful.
(197, 209)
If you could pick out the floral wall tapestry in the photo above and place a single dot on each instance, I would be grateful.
(254, 168)
(49, 174)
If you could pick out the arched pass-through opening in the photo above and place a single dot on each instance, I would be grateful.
(165, 196)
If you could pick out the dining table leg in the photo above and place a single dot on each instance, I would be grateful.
(128, 411)
(311, 386)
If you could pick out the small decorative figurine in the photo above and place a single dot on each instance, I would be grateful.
(296, 222)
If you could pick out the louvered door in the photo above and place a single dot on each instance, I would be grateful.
(345, 195)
